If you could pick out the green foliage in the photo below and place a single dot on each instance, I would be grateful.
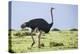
(27, 34)
(42, 45)
(17, 34)
(23, 34)
(25, 30)
(55, 29)
(55, 44)
(74, 29)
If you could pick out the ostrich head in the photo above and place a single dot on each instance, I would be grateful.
(52, 8)
(24, 25)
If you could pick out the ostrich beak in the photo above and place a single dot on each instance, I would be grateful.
(52, 8)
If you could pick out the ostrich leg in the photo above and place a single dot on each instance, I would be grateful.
(32, 39)
(39, 39)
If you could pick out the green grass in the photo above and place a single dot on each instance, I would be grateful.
(68, 38)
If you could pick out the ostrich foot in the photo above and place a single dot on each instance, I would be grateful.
(39, 46)
(32, 44)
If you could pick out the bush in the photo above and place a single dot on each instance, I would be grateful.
(27, 34)
(24, 29)
(17, 34)
(55, 29)
(74, 29)
(42, 45)
(23, 34)
(52, 44)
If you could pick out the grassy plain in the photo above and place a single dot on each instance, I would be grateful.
(67, 39)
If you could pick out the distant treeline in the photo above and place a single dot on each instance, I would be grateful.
(73, 29)
(54, 29)
(26, 33)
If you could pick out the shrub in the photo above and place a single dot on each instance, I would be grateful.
(27, 34)
(55, 29)
(42, 45)
(24, 29)
(74, 29)
(23, 34)
(17, 34)
(52, 44)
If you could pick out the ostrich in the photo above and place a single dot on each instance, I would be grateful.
(40, 24)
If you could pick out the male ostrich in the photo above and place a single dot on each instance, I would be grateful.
(40, 24)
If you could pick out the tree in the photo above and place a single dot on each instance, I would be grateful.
(55, 29)
(74, 29)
